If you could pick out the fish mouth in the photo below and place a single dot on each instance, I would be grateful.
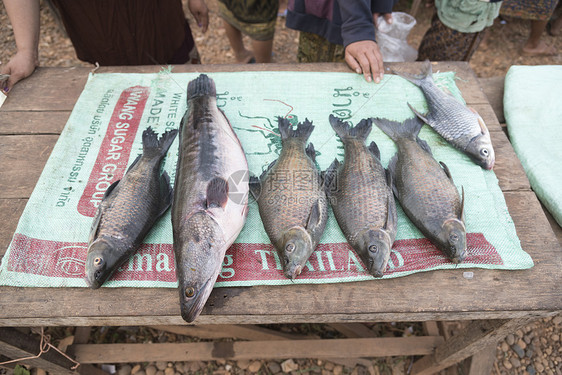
(93, 279)
(293, 271)
(191, 307)
(457, 258)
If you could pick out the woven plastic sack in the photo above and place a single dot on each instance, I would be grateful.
(392, 38)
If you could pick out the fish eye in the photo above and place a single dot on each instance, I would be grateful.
(290, 248)
(454, 237)
(189, 292)
(98, 261)
(484, 152)
(373, 248)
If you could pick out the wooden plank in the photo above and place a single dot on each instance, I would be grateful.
(431, 328)
(508, 168)
(22, 159)
(493, 89)
(10, 212)
(15, 344)
(483, 361)
(477, 335)
(28, 122)
(237, 350)
(353, 330)
(46, 82)
(244, 332)
(147, 318)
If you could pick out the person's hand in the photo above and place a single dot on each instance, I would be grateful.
(387, 17)
(20, 66)
(201, 13)
(365, 57)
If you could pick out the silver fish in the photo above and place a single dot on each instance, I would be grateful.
(460, 125)
(291, 199)
(425, 189)
(210, 195)
(128, 210)
(360, 193)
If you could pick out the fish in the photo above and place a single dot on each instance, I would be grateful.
(458, 124)
(291, 199)
(129, 209)
(210, 203)
(359, 191)
(425, 189)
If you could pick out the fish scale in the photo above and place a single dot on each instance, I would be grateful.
(128, 210)
(461, 126)
(291, 199)
(206, 219)
(425, 189)
(361, 197)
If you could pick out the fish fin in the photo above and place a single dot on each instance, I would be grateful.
(262, 176)
(217, 192)
(446, 169)
(417, 79)
(303, 130)
(255, 187)
(111, 188)
(153, 147)
(391, 172)
(201, 86)
(423, 144)
(315, 218)
(311, 152)
(166, 193)
(344, 129)
(396, 130)
(95, 225)
(374, 149)
(461, 216)
(417, 113)
(483, 128)
(133, 163)
(331, 177)
(391, 219)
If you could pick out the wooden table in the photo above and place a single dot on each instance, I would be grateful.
(495, 301)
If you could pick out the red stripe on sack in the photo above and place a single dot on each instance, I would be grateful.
(243, 261)
(115, 149)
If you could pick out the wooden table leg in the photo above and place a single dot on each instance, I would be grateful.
(15, 344)
(476, 337)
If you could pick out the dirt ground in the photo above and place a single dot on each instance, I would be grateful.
(496, 54)
(540, 341)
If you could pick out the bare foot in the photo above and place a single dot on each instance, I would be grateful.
(245, 58)
(542, 49)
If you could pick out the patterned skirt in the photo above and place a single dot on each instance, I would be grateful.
(537, 10)
(441, 43)
(257, 18)
(314, 48)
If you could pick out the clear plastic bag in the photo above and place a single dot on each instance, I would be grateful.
(392, 38)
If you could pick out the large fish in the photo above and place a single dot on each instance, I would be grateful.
(128, 210)
(210, 195)
(460, 125)
(425, 189)
(360, 193)
(291, 198)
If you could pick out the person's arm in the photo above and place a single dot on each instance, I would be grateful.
(362, 53)
(200, 12)
(24, 16)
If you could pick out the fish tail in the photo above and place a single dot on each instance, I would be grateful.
(417, 79)
(344, 129)
(153, 147)
(201, 86)
(303, 130)
(396, 130)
